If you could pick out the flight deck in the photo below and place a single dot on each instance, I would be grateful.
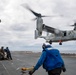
(23, 59)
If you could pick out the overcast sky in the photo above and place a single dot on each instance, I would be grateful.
(17, 27)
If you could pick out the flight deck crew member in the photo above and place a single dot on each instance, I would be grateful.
(2, 54)
(51, 60)
(8, 53)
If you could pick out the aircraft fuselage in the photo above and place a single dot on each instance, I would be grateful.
(68, 35)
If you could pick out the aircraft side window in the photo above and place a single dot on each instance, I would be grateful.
(64, 33)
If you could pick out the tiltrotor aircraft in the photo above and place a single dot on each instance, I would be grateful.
(56, 34)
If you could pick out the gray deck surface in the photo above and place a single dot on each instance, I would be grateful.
(22, 59)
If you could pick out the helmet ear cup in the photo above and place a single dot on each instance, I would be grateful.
(43, 46)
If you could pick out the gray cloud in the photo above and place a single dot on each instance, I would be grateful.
(17, 29)
(3, 4)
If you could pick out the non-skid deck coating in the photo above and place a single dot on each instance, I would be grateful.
(22, 59)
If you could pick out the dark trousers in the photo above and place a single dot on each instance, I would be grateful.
(56, 71)
(9, 56)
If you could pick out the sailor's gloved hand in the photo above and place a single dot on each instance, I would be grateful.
(31, 72)
(64, 69)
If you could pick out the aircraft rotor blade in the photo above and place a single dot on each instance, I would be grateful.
(36, 14)
(73, 24)
(34, 19)
(45, 16)
(0, 20)
(41, 16)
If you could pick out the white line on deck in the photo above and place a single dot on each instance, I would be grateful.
(5, 68)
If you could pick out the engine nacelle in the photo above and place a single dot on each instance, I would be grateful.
(37, 34)
(39, 25)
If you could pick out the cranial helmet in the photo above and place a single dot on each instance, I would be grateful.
(45, 46)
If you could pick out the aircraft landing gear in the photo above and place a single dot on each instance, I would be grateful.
(50, 42)
(60, 42)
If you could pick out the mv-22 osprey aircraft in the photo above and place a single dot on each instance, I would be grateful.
(56, 34)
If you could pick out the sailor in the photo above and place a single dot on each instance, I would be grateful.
(51, 60)
(2, 54)
(8, 53)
